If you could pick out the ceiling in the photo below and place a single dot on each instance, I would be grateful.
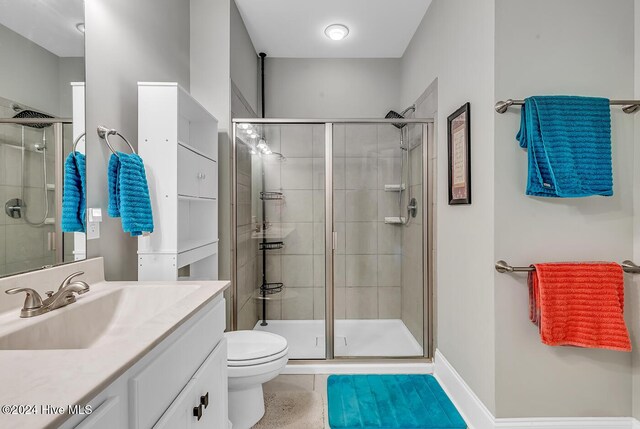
(48, 23)
(295, 28)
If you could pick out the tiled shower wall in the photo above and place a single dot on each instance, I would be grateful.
(412, 249)
(248, 170)
(22, 246)
(368, 263)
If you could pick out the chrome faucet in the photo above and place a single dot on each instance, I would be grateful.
(34, 305)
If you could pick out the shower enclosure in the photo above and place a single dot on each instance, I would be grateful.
(332, 231)
(32, 148)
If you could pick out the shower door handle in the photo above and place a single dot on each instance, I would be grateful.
(334, 244)
(51, 241)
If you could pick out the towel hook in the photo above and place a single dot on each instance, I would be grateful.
(104, 133)
(76, 141)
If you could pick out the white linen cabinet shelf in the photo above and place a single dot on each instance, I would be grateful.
(178, 142)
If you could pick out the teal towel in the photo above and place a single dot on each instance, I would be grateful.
(569, 146)
(113, 175)
(74, 194)
(129, 193)
(390, 401)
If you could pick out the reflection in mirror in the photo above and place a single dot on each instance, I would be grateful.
(41, 115)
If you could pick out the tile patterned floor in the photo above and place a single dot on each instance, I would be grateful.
(297, 383)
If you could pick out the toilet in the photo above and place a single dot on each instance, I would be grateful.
(253, 358)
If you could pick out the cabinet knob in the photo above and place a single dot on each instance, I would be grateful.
(204, 400)
(197, 412)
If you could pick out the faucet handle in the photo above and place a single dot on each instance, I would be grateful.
(31, 301)
(66, 281)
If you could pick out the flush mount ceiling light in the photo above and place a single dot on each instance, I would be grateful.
(80, 27)
(336, 31)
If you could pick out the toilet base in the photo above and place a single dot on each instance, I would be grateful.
(246, 406)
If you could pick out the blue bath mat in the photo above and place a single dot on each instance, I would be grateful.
(390, 402)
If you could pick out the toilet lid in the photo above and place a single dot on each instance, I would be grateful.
(252, 345)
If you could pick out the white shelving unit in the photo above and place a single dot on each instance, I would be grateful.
(178, 141)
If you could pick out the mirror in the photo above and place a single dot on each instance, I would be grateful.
(41, 115)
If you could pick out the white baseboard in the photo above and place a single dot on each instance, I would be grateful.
(478, 416)
(468, 404)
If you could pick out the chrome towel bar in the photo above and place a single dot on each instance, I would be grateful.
(628, 106)
(503, 267)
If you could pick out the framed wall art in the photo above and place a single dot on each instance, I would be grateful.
(459, 142)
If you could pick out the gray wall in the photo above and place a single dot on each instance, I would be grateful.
(71, 69)
(211, 86)
(243, 80)
(551, 47)
(460, 57)
(35, 77)
(124, 46)
(244, 60)
(30, 75)
(331, 88)
(482, 324)
(633, 299)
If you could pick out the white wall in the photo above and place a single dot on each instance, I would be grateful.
(125, 45)
(331, 87)
(460, 57)
(548, 47)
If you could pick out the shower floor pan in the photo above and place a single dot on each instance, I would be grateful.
(353, 338)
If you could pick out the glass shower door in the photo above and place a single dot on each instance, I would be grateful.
(280, 233)
(378, 257)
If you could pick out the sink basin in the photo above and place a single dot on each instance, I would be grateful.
(93, 320)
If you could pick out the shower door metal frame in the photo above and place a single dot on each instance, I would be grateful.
(428, 189)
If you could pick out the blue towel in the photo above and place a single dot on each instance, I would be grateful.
(74, 201)
(129, 193)
(569, 146)
(113, 175)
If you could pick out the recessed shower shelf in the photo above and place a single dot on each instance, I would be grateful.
(271, 196)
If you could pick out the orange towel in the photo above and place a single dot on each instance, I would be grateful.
(579, 304)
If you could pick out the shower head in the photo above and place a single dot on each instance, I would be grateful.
(31, 114)
(395, 115)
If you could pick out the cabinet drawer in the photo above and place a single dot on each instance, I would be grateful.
(210, 382)
(188, 168)
(105, 416)
(208, 178)
(153, 389)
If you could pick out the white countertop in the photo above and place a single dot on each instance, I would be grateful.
(74, 376)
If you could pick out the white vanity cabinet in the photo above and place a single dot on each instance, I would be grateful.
(182, 377)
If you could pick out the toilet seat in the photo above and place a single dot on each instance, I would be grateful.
(259, 361)
(249, 348)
